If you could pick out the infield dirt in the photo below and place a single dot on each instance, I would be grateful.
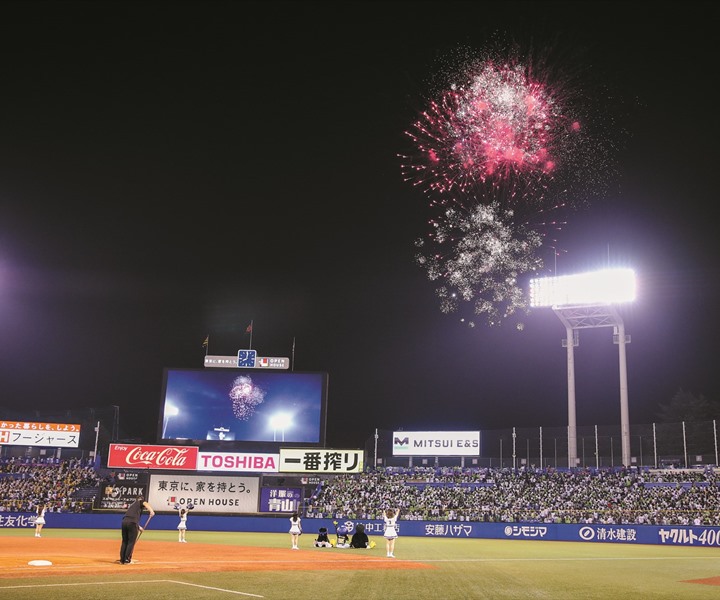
(80, 556)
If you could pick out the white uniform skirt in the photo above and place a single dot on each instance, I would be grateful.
(390, 533)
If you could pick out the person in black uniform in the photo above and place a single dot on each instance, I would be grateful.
(131, 528)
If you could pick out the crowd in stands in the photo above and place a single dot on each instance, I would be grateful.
(607, 496)
(603, 496)
(26, 484)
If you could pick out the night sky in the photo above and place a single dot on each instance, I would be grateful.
(172, 170)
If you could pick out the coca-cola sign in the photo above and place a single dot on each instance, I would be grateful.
(132, 456)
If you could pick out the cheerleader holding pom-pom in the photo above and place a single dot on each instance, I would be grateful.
(295, 530)
(182, 526)
(40, 519)
(390, 517)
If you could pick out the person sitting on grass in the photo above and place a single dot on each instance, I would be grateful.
(360, 538)
(343, 539)
(322, 540)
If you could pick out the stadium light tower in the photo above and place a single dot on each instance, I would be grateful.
(584, 301)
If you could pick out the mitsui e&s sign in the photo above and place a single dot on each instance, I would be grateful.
(436, 443)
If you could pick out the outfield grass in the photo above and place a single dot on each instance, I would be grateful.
(462, 569)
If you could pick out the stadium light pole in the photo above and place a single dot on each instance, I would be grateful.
(584, 301)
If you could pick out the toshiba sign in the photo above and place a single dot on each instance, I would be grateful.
(131, 456)
(238, 463)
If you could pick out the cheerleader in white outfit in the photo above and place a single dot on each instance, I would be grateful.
(295, 530)
(182, 526)
(40, 519)
(390, 516)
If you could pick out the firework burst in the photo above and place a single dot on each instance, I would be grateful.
(477, 257)
(499, 149)
(245, 396)
(496, 130)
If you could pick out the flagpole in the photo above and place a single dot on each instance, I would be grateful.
(292, 359)
(250, 327)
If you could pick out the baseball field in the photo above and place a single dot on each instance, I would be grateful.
(68, 564)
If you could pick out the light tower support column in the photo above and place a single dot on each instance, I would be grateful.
(622, 339)
(586, 317)
(570, 342)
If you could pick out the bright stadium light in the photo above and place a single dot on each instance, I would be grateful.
(170, 411)
(281, 421)
(584, 301)
(610, 286)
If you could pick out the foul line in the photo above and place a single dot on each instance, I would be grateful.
(56, 585)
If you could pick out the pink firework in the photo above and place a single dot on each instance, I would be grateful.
(498, 128)
(245, 397)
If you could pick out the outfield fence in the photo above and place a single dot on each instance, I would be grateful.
(658, 445)
(665, 535)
